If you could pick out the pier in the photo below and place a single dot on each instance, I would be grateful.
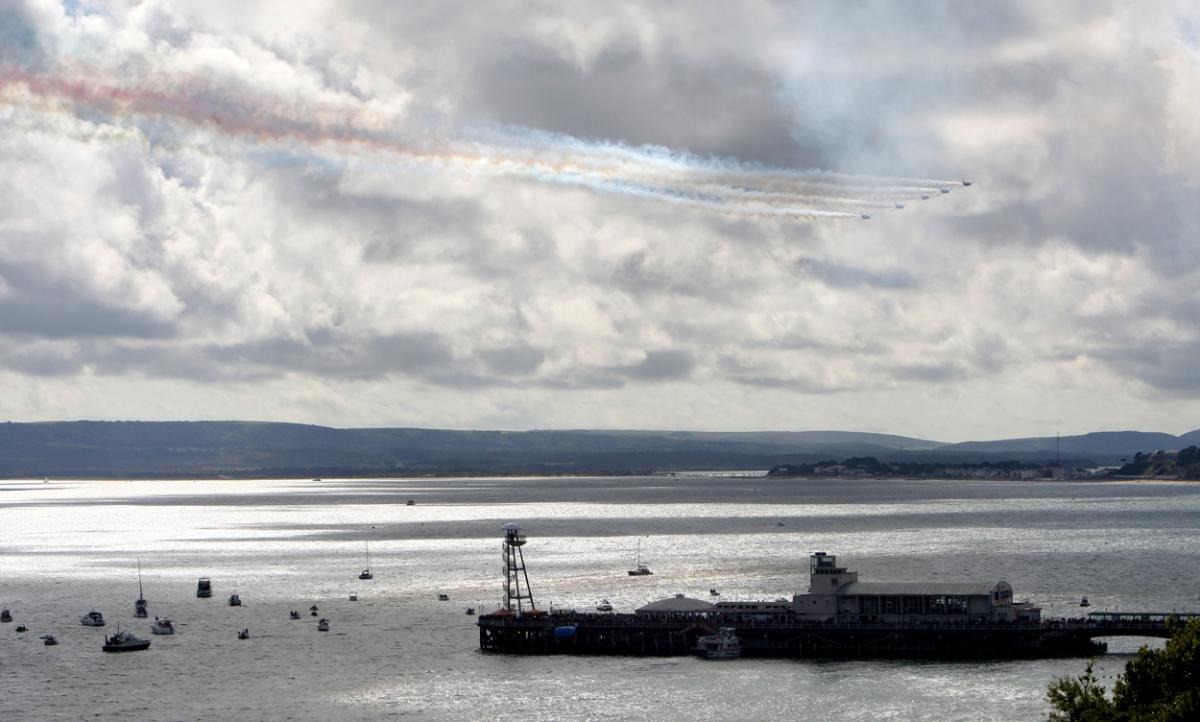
(839, 617)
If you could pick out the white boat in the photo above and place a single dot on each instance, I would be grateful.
(244, 634)
(604, 606)
(323, 625)
(162, 626)
(92, 619)
(366, 573)
(722, 645)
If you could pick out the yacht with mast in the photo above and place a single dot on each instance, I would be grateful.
(139, 604)
(366, 573)
(641, 570)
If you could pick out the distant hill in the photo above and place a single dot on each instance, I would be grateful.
(1103, 443)
(239, 448)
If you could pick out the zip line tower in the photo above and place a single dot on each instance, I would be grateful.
(515, 593)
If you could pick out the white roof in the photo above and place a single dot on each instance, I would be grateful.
(677, 603)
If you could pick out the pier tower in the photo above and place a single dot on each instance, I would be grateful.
(516, 581)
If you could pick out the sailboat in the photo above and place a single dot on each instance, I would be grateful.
(366, 573)
(641, 570)
(139, 604)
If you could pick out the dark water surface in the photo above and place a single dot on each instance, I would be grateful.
(66, 547)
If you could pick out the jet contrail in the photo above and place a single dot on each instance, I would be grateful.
(350, 127)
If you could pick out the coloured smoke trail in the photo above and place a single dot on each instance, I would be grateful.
(351, 129)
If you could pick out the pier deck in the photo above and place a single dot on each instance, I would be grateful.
(672, 635)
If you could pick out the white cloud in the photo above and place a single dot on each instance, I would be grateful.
(239, 227)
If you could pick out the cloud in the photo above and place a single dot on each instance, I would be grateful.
(369, 213)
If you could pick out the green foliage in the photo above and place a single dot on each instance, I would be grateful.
(1158, 685)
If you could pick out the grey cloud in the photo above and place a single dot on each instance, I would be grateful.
(1166, 365)
(661, 365)
(38, 305)
(929, 373)
(840, 275)
(517, 360)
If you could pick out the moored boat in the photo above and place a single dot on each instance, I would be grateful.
(235, 600)
(722, 645)
(204, 588)
(323, 625)
(162, 626)
(366, 573)
(244, 634)
(5, 616)
(92, 619)
(125, 642)
(139, 604)
(604, 606)
(640, 570)
(49, 640)
(293, 614)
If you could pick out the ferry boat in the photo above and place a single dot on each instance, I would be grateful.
(125, 642)
(722, 645)
(92, 619)
(204, 588)
(162, 626)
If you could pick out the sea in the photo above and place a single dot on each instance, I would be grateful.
(398, 652)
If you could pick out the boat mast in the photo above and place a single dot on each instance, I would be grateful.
(140, 595)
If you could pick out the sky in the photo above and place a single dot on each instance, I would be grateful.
(532, 214)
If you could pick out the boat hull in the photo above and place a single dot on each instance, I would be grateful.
(126, 647)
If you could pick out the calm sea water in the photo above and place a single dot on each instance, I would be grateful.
(68, 547)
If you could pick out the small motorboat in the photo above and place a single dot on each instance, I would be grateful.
(125, 642)
(313, 610)
(162, 626)
(204, 588)
(293, 614)
(353, 597)
(722, 645)
(49, 640)
(235, 600)
(443, 597)
(92, 619)
(604, 606)
(244, 634)
(22, 628)
(471, 611)
(410, 502)
(1084, 602)
(5, 616)
(323, 625)
(713, 593)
